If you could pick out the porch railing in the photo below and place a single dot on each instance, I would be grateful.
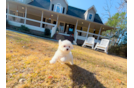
(76, 36)
(92, 34)
(53, 31)
(18, 23)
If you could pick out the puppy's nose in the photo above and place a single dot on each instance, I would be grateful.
(67, 49)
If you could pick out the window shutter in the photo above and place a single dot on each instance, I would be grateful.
(52, 7)
(63, 9)
(94, 32)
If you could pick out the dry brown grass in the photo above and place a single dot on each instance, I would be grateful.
(28, 57)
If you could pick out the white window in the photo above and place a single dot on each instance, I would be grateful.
(90, 16)
(58, 8)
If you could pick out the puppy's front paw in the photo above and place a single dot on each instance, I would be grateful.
(52, 62)
(62, 63)
(71, 63)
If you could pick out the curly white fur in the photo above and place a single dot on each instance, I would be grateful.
(63, 53)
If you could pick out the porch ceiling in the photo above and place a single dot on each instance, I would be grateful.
(34, 11)
(67, 19)
(15, 7)
(51, 15)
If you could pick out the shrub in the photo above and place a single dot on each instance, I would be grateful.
(120, 50)
(16, 28)
(24, 29)
(57, 29)
(47, 32)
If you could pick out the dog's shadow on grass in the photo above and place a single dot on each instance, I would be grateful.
(83, 78)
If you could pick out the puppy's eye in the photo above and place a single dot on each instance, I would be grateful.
(64, 46)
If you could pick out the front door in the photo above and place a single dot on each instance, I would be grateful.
(71, 29)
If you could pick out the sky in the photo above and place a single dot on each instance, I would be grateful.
(99, 4)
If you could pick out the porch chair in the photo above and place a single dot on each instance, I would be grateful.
(103, 45)
(89, 42)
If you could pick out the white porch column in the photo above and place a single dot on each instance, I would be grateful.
(75, 33)
(99, 33)
(25, 15)
(88, 30)
(76, 25)
(7, 10)
(41, 20)
(57, 20)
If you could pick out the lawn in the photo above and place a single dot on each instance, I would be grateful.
(27, 66)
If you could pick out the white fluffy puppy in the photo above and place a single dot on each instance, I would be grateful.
(63, 53)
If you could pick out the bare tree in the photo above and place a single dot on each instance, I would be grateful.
(122, 6)
(107, 14)
(107, 9)
(109, 5)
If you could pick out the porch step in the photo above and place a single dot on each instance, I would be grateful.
(63, 37)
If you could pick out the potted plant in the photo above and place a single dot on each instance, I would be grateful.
(57, 30)
(47, 32)
(72, 35)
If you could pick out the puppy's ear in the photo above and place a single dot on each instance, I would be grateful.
(60, 42)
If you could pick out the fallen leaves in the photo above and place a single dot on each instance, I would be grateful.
(41, 81)
(39, 50)
(64, 77)
(118, 80)
(97, 65)
(49, 76)
(22, 80)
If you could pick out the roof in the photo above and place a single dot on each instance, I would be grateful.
(93, 8)
(41, 3)
(72, 11)
(97, 19)
(76, 12)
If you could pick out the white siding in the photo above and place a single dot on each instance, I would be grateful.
(87, 15)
